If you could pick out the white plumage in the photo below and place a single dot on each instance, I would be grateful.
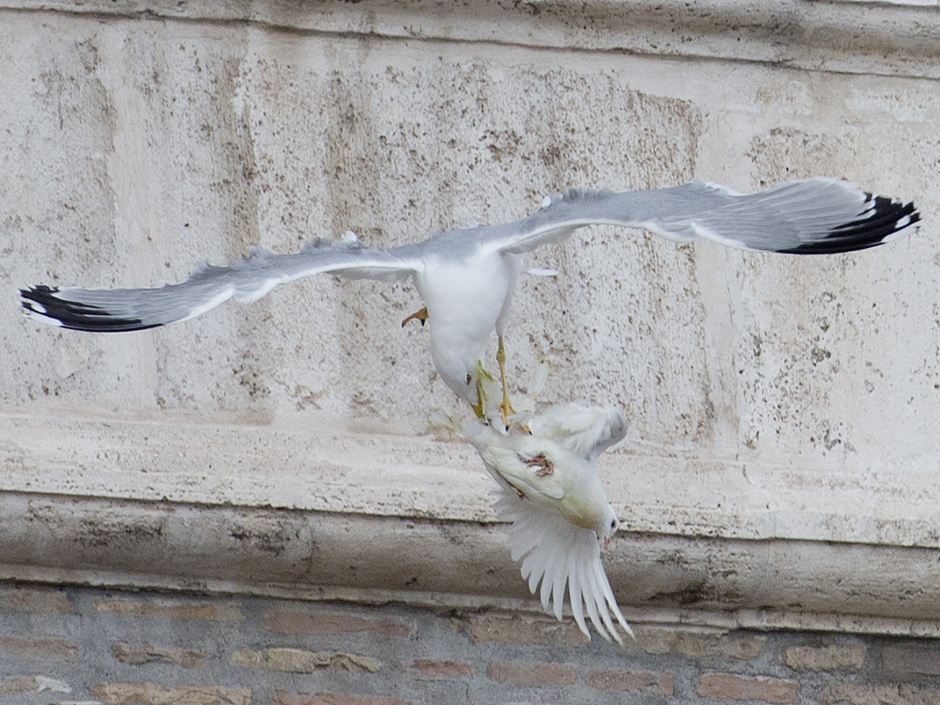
(551, 493)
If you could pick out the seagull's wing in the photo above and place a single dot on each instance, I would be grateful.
(248, 279)
(812, 216)
(557, 554)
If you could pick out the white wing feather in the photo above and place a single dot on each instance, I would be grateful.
(584, 431)
(556, 554)
(246, 280)
(810, 216)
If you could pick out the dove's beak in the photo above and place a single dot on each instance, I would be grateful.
(605, 544)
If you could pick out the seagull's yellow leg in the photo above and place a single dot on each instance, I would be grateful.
(480, 407)
(506, 406)
(421, 316)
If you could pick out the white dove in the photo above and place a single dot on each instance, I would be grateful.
(466, 278)
(561, 519)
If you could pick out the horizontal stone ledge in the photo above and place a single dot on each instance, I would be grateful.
(892, 38)
(318, 554)
(313, 463)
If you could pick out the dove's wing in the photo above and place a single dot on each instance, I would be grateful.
(248, 279)
(586, 432)
(557, 554)
(510, 468)
(513, 460)
(812, 216)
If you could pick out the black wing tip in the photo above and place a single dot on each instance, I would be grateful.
(885, 221)
(42, 303)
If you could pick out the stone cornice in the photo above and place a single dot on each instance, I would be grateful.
(332, 466)
(354, 515)
(331, 556)
(852, 36)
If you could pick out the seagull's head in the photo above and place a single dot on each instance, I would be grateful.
(606, 526)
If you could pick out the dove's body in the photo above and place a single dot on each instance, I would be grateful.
(572, 489)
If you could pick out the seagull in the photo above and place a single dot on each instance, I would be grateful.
(550, 491)
(466, 277)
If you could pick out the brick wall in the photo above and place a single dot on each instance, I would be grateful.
(78, 645)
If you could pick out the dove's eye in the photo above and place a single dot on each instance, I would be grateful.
(613, 523)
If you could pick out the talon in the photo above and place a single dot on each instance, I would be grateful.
(506, 410)
(420, 316)
(480, 408)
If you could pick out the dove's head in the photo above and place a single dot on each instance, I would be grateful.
(606, 526)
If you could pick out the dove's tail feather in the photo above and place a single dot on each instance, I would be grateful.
(556, 556)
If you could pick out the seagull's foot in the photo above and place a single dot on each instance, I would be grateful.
(483, 380)
(506, 406)
(506, 410)
(421, 316)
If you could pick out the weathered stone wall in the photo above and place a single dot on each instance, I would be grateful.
(780, 471)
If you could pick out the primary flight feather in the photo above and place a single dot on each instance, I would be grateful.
(466, 277)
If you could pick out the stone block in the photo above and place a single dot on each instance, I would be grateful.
(824, 658)
(730, 686)
(427, 669)
(292, 621)
(156, 694)
(141, 654)
(291, 660)
(531, 674)
(632, 681)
